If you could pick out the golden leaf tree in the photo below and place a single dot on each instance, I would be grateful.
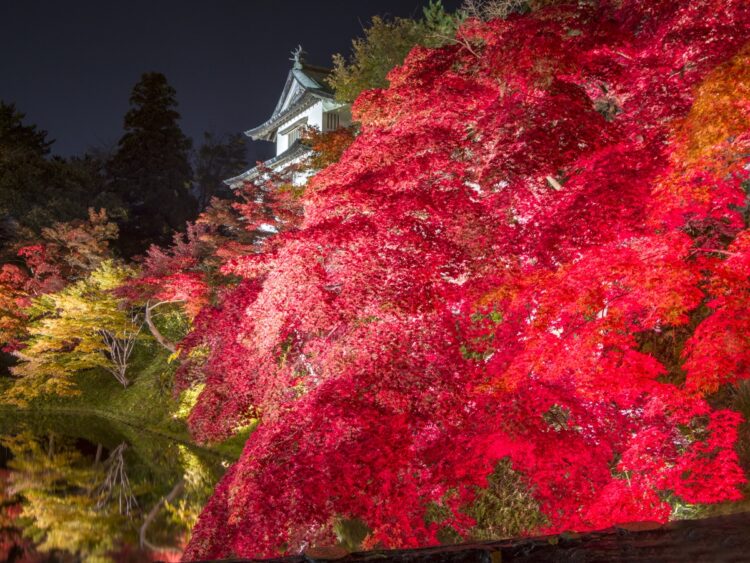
(79, 328)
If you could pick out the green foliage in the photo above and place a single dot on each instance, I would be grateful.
(385, 46)
(350, 533)
(502, 9)
(146, 403)
(199, 484)
(24, 169)
(232, 447)
(19, 140)
(172, 321)
(187, 400)
(440, 25)
(67, 333)
(61, 475)
(91, 170)
(505, 508)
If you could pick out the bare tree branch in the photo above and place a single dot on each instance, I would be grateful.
(465, 43)
(554, 184)
(153, 328)
(154, 512)
(116, 483)
(119, 349)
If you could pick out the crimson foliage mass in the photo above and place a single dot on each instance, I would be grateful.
(490, 272)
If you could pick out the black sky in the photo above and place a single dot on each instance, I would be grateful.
(70, 65)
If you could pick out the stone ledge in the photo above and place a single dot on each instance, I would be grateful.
(717, 539)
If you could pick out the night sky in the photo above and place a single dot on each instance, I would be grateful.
(70, 66)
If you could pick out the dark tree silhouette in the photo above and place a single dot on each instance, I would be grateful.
(35, 189)
(216, 160)
(151, 171)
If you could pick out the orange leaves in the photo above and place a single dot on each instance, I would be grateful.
(720, 112)
(327, 147)
(66, 252)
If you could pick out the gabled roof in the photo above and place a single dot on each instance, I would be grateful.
(306, 84)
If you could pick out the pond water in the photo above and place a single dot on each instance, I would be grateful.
(82, 488)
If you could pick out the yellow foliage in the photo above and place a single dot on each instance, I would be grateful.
(187, 401)
(60, 507)
(65, 335)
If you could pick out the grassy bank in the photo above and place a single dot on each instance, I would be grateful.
(147, 404)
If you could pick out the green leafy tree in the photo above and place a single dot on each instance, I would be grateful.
(19, 140)
(385, 46)
(81, 327)
(441, 25)
(151, 171)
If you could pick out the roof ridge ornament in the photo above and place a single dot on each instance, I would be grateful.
(298, 57)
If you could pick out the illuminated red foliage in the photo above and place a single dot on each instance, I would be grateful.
(67, 252)
(13, 299)
(221, 245)
(176, 274)
(483, 276)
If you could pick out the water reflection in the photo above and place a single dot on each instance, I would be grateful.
(86, 489)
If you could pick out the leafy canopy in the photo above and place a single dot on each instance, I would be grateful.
(384, 46)
(35, 189)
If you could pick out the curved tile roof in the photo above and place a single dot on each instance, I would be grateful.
(297, 150)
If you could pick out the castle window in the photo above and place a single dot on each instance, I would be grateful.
(294, 135)
(294, 131)
(332, 121)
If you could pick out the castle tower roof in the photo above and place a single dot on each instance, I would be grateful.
(305, 85)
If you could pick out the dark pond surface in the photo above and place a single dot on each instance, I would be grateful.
(82, 488)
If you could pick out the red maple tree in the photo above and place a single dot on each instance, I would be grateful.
(536, 251)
